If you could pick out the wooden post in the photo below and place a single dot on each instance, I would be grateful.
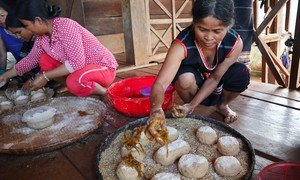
(136, 31)
(295, 66)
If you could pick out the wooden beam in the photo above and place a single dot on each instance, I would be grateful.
(159, 37)
(169, 21)
(158, 57)
(130, 68)
(295, 66)
(255, 13)
(173, 20)
(263, 49)
(136, 31)
(278, 63)
(270, 16)
(287, 16)
(267, 38)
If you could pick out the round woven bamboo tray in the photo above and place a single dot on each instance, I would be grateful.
(223, 128)
(75, 118)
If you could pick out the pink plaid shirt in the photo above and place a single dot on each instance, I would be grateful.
(72, 45)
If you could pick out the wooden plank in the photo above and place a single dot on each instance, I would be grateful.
(272, 129)
(278, 63)
(130, 68)
(154, 8)
(149, 70)
(102, 8)
(130, 74)
(290, 103)
(158, 57)
(274, 90)
(287, 16)
(255, 13)
(169, 21)
(136, 34)
(263, 49)
(71, 9)
(113, 42)
(77, 12)
(260, 164)
(104, 25)
(52, 165)
(295, 66)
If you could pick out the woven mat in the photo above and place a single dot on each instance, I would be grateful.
(69, 126)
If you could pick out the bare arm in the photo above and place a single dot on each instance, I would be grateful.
(166, 74)
(40, 81)
(3, 54)
(7, 75)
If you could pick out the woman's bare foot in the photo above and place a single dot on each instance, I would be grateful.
(230, 115)
(62, 89)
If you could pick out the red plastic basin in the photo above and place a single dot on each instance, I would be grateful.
(127, 98)
(280, 170)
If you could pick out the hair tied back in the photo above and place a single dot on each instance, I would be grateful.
(53, 11)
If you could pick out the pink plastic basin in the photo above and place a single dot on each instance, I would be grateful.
(127, 98)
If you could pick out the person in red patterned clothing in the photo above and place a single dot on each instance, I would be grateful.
(63, 49)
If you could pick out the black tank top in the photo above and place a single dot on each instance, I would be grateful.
(194, 55)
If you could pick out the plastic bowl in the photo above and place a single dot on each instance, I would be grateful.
(147, 90)
(39, 117)
(127, 98)
(280, 170)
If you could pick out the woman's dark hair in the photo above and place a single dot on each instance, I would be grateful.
(12, 21)
(30, 9)
(5, 6)
(222, 10)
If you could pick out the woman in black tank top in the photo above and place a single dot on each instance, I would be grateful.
(202, 65)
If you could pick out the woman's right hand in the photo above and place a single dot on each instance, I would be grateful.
(156, 121)
(3, 80)
(6, 76)
(26, 88)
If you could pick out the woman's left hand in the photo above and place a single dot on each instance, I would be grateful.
(181, 110)
(38, 82)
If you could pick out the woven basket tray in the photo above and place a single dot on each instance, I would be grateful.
(111, 142)
(75, 118)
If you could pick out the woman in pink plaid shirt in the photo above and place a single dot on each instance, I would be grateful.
(63, 48)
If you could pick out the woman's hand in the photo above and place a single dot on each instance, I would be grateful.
(181, 110)
(3, 80)
(156, 121)
(26, 88)
(38, 82)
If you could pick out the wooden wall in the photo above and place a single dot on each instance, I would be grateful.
(104, 17)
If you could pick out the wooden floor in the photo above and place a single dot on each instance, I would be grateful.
(269, 117)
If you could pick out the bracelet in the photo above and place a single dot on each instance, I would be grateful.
(44, 74)
(156, 109)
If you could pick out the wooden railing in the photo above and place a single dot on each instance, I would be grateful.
(269, 42)
(142, 39)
